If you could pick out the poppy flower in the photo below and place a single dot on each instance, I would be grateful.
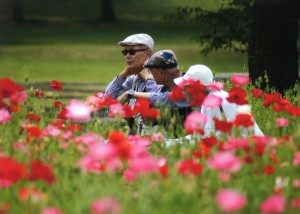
(225, 161)
(281, 105)
(230, 200)
(189, 166)
(58, 104)
(56, 85)
(282, 122)
(34, 117)
(176, 94)
(212, 101)
(163, 167)
(239, 79)
(273, 204)
(269, 99)
(238, 96)
(257, 93)
(38, 93)
(32, 194)
(293, 110)
(195, 122)
(4, 116)
(106, 205)
(51, 210)
(78, 111)
(11, 171)
(223, 125)
(244, 120)
(41, 171)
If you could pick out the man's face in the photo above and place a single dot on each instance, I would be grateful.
(157, 75)
(135, 59)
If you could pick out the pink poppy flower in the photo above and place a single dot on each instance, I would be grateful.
(239, 79)
(106, 205)
(212, 101)
(195, 122)
(216, 86)
(51, 210)
(296, 160)
(225, 161)
(78, 111)
(282, 122)
(230, 200)
(4, 116)
(273, 204)
(116, 110)
(296, 183)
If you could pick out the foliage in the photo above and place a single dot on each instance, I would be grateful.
(225, 28)
(56, 153)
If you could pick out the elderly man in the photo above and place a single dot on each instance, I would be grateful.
(137, 49)
(163, 65)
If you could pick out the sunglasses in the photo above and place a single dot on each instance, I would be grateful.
(131, 51)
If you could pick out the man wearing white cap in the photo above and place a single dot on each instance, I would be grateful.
(137, 49)
(205, 76)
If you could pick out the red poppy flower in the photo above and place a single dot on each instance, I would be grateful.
(58, 104)
(293, 110)
(269, 99)
(281, 105)
(163, 167)
(40, 171)
(56, 85)
(189, 166)
(74, 127)
(34, 117)
(269, 170)
(11, 171)
(210, 141)
(38, 93)
(223, 125)
(203, 151)
(238, 96)
(244, 120)
(62, 114)
(128, 111)
(8, 87)
(257, 93)
(176, 94)
(143, 107)
(34, 131)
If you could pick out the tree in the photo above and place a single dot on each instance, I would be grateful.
(107, 11)
(17, 11)
(273, 42)
(265, 29)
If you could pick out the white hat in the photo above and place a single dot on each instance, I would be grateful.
(138, 39)
(197, 72)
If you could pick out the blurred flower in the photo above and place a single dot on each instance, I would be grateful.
(244, 120)
(239, 79)
(4, 116)
(34, 117)
(116, 110)
(7, 89)
(210, 141)
(273, 204)
(282, 122)
(225, 161)
(269, 99)
(189, 167)
(32, 194)
(195, 122)
(257, 93)
(51, 210)
(281, 105)
(293, 110)
(56, 85)
(4, 208)
(237, 96)
(58, 104)
(296, 160)
(163, 167)
(230, 200)
(41, 171)
(269, 170)
(78, 111)
(296, 183)
(296, 203)
(224, 176)
(211, 101)
(216, 86)
(107, 205)
(38, 93)
(223, 125)
(11, 171)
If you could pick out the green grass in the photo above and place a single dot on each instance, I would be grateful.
(66, 49)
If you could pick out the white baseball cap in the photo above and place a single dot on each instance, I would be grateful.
(197, 72)
(138, 39)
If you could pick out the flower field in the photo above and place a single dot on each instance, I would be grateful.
(69, 158)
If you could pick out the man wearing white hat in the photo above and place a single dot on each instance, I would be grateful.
(137, 49)
(230, 110)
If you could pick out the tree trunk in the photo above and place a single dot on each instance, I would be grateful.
(107, 11)
(17, 11)
(273, 43)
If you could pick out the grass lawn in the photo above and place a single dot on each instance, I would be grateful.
(88, 52)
